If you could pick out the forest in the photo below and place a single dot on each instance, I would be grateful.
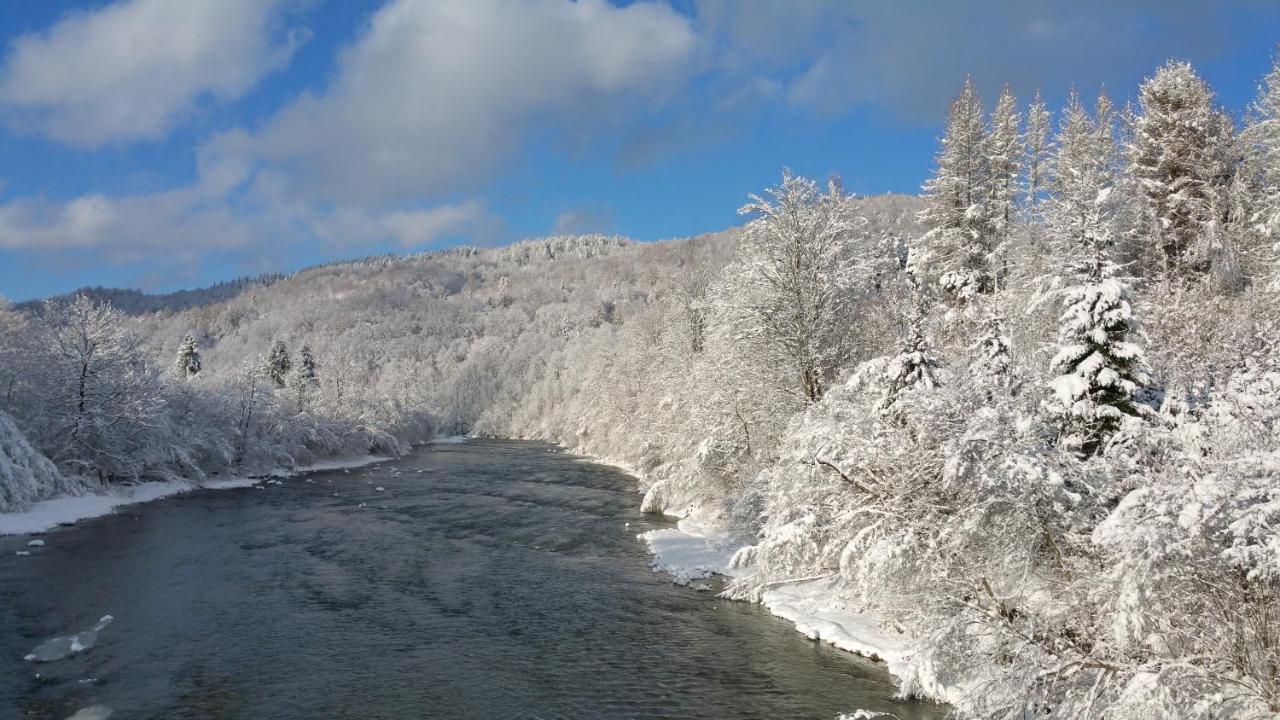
(1030, 418)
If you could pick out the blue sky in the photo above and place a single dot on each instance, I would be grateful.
(160, 144)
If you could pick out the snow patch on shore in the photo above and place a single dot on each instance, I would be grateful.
(691, 551)
(47, 514)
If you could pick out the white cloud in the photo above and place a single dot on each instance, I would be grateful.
(131, 70)
(437, 94)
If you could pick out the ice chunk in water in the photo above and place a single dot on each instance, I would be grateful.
(60, 647)
(380, 489)
(93, 712)
(35, 543)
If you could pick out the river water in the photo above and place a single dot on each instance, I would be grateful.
(491, 579)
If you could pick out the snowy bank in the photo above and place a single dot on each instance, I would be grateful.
(693, 550)
(45, 515)
(48, 514)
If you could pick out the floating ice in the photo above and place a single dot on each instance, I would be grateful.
(380, 489)
(35, 543)
(23, 553)
(60, 647)
(93, 712)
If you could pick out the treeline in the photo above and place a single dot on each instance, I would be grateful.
(1040, 429)
(345, 359)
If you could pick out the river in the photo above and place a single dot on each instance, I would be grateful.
(490, 579)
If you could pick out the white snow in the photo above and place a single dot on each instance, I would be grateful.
(691, 551)
(47, 514)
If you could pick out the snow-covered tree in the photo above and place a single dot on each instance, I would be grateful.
(956, 216)
(1099, 369)
(187, 363)
(1037, 146)
(1079, 208)
(93, 397)
(1005, 153)
(306, 377)
(26, 475)
(1261, 141)
(993, 359)
(797, 277)
(279, 363)
(1180, 154)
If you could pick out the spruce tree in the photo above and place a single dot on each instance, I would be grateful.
(1179, 153)
(188, 361)
(1037, 148)
(956, 215)
(279, 363)
(1005, 151)
(306, 377)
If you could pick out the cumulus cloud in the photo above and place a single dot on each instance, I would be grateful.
(436, 94)
(131, 70)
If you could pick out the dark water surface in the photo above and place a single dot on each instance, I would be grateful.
(501, 581)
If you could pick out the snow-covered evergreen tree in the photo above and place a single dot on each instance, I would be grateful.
(187, 363)
(1005, 153)
(279, 364)
(956, 216)
(915, 366)
(1099, 369)
(1180, 154)
(306, 377)
(1037, 146)
(1079, 207)
(993, 359)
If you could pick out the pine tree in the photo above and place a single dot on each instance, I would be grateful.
(1179, 154)
(279, 363)
(993, 356)
(188, 361)
(1038, 147)
(1079, 208)
(915, 365)
(306, 377)
(1005, 151)
(956, 215)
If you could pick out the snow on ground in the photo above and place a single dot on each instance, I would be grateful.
(691, 551)
(813, 607)
(48, 514)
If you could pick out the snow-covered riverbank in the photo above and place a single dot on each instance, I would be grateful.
(693, 550)
(47, 514)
